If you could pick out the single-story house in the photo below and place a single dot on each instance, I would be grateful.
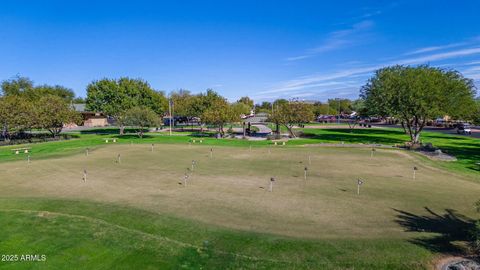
(91, 119)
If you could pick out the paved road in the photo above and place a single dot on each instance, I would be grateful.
(262, 128)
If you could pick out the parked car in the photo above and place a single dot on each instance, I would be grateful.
(464, 128)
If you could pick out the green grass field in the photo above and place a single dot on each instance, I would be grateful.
(138, 213)
(465, 148)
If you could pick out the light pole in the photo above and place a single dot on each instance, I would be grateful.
(170, 114)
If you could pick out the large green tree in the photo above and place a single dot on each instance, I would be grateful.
(219, 114)
(264, 107)
(247, 101)
(320, 108)
(182, 100)
(16, 114)
(416, 94)
(241, 108)
(290, 113)
(56, 90)
(475, 117)
(16, 86)
(24, 87)
(340, 105)
(202, 102)
(141, 117)
(116, 97)
(52, 113)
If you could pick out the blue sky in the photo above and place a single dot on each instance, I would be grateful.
(265, 49)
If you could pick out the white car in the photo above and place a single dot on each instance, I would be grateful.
(464, 128)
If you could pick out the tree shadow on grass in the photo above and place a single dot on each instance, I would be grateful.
(467, 152)
(462, 149)
(356, 135)
(105, 131)
(134, 136)
(451, 229)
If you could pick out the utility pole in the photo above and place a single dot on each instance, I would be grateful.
(170, 115)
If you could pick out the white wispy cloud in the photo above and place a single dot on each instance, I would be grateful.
(338, 40)
(435, 48)
(440, 56)
(472, 63)
(344, 79)
(472, 72)
(302, 84)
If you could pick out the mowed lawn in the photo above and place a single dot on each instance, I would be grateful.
(139, 212)
(465, 148)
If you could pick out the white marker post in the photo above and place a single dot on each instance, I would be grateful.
(84, 175)
(86, 152)
(151, 150)
(28, 159)
(305, 173)
(414, 172)
(185, 180)
(271, 184)
(193, 165)
(359, 183)
(119, 159)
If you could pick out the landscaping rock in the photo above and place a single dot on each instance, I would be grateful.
(460, 264)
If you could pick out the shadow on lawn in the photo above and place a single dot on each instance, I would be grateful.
(111, 131)
(357, 135)
(465, 151)
(468, 151)
(450, 227)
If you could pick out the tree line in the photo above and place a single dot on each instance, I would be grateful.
(412, 95)
(125, 97)
(24, 107)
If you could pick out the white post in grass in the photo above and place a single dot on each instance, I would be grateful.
(305, 173)
(359, 183)
(271, 184)
(414, 172)
(119, 159)
(151, 150)
(86, 152)
(28, 159)
(185, 178)
(193, 165)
